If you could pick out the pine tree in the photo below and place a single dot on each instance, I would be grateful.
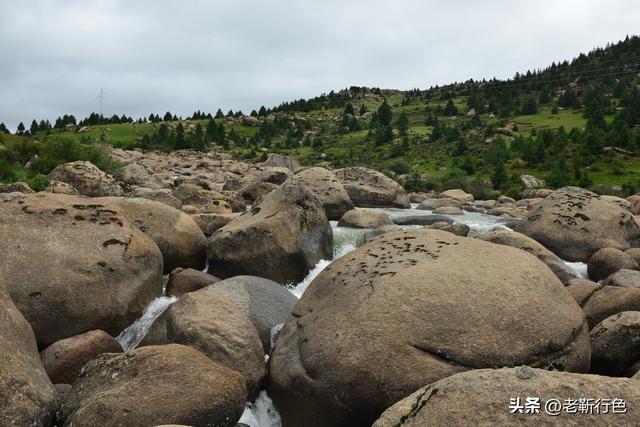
(402, 123)
(363, 109)
(219, 114)
(180, 141)
(530, 106)
(450, 109)
(20, 129)
(262, 112)
(33, 129)
(500, 177)
(167, 117)
(384, 114)
(3, 128)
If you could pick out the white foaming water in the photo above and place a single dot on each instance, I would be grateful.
(261, 413)
(580, 268)
(338, 252)
(131, 337)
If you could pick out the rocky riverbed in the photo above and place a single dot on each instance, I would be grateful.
(194, 289)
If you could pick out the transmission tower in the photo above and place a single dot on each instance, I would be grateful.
(101, 102)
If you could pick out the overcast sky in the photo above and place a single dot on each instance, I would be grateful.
(154, 56)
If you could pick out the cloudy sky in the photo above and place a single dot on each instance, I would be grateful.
(156, 55)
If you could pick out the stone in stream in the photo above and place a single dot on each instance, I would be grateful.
(615, 343)
(211, 323)
(168, 384)
(486, 397)
(368, 188)
(264, 302)
(364, 218)
(574, 223)
(412, 307)
(326, 186)
(281, 239)
(600, 301)
(209, 223)
(256, 189)
(72, 264)
(28, 397)
(624, 278)
(457, 194)
(527, 244)
(457, 229)
(432, 204)
(448, 210)
(162, 196)
(274, 174)
(607, 261)
(182, 281)
(179, 238)
(204, 201)
(64, 359)
(421, 219)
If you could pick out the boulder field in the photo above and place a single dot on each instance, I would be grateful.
(440, 317)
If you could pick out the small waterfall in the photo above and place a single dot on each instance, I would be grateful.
(338, 251)
(261, 413)
(580, 268)
(131, 337)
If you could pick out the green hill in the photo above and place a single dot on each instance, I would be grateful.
(575, 122)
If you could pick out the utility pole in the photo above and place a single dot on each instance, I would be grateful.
(101, 102)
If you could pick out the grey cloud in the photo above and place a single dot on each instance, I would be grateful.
(154, 56)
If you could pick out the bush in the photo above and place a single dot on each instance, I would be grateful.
(400, 167)
(37, 182)
(58, 150)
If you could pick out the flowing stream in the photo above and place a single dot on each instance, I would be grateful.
(262, 412)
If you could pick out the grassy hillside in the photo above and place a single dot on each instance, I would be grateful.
(556, 124)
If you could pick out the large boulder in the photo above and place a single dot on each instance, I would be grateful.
(72, 264)
(212, 324)
(364, 218)
(412, 307)
(527, 244)
(371, 189)
(615, 343)
(326, 186)
(264, 302)
(278, 160)
(459, 195)
(601, 301)
(185, 280)
(87, 179)
(168, 384)
(133, 174)
(574, 223)
(63, 360)
(205, 201)
(256, 189)
(500, 397)
(281, 239)
(16, 187)
(179, 238)
(28, 397)
(162, 196)
(606, 261)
